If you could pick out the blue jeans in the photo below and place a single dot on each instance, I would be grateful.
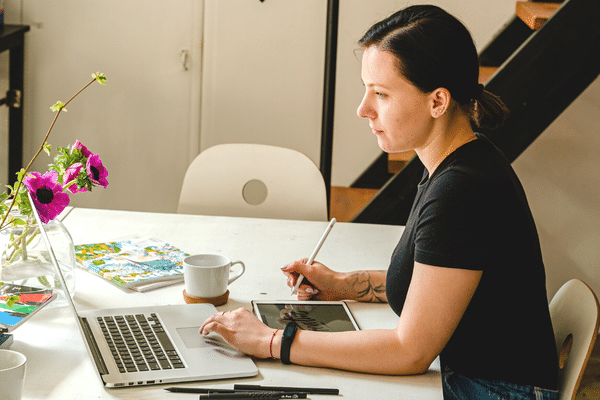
(458, 387)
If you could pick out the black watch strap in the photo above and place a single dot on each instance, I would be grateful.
(286, 341)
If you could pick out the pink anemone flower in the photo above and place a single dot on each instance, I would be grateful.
(48, 196)
(71, 174)
(96, 170)
(84, 150)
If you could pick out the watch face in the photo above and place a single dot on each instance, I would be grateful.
(289, 328)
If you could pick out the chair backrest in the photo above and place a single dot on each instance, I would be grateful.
(254, 180)
(575, 316)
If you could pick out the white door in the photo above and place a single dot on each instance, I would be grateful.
(144, 122)
(262, 72)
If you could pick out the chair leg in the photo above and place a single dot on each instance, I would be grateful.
(589, 388)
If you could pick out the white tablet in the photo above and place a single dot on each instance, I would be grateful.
(325, 316)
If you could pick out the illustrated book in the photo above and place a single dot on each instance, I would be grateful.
(140, 264)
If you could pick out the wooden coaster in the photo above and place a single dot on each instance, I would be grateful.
(215, 301)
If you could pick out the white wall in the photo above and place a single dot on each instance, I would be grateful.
(560, 174)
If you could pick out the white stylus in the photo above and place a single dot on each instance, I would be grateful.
(314, 254)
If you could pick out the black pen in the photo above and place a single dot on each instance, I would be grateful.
(199, 390)
(287, 389)
(253, 395)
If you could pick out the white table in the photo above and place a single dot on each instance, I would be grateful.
(59, 367)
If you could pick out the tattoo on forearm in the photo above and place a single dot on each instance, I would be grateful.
(369, 286)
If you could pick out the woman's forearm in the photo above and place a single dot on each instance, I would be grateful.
(371, 351)
(366, 286)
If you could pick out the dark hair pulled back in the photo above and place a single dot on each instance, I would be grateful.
(435, 50)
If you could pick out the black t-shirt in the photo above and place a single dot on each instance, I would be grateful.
(472, 214)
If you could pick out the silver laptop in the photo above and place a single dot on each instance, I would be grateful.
(151, 345)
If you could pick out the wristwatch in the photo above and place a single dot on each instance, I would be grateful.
(286, 341)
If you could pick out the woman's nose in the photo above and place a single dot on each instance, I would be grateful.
(364, 110)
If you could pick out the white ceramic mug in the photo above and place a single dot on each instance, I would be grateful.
(208, 275)
(12, 374)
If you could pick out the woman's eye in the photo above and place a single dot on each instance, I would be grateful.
(380, 95)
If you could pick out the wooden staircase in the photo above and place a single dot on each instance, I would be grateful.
(538, 63)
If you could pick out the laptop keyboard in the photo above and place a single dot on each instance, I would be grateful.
(139, 343)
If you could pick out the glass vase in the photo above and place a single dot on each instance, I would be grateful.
(25, 258)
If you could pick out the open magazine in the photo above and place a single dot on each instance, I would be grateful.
(138, 263)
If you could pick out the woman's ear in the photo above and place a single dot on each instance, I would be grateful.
(440, 100)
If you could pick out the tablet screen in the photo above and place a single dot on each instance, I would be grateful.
(312, 316)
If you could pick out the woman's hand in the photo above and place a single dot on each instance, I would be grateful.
(320, 282)
(242, 330)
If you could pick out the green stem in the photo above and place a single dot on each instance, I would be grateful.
(17, 243)
(69, 184)
(20, 243)
(24, 248)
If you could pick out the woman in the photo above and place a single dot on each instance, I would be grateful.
(467, 278)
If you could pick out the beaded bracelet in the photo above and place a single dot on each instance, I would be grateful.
(271, 344)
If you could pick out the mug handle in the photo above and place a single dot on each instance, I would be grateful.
(239, 273)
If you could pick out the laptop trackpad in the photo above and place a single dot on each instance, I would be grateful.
(193, 340)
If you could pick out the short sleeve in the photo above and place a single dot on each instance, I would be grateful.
(452, 228)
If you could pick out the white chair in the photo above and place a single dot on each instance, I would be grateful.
(575, 316)
(254, 180)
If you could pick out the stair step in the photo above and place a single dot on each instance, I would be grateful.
(397, 161)
(485, 73)
(346, 202)
(535, 14)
